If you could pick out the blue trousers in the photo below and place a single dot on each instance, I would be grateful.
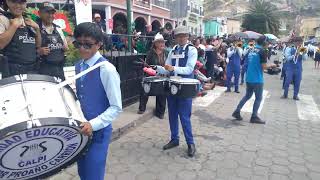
(92, 165)
(295, 75)
(257, 89)
(233, 71)
(180, 108)
(243, 72)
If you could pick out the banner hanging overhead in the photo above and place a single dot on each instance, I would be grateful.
(83, 11)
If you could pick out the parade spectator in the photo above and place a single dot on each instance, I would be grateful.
(53, 45)
(97, 19)
(19, 38)
(156, 56)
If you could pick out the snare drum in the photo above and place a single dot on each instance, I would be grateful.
(184, 87)
(39, 127)
(155, 86)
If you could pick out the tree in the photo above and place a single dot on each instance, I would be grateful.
(262, 17)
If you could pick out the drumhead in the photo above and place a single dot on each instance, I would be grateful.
(155, 79)
(38, 149)
(185, 81)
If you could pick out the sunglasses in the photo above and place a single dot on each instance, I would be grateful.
(78, 45)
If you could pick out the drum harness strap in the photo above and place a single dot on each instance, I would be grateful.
(24, 91)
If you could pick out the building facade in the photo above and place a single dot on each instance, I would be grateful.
(308, 25)
(189, 13)
(147, 15)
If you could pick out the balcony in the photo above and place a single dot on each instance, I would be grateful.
(162, 3)
(143, 3)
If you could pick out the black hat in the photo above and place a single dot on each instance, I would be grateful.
(47, 7)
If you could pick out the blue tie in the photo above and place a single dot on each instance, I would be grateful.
(84, 67)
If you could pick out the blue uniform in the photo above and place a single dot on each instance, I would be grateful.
(181, 107)
(233, 67)
(293, 70)
(100, 98)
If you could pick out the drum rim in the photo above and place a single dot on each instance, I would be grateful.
(36, 78)
(50, 119)
(30, 77)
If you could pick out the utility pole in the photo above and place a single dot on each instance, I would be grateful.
(129, 24)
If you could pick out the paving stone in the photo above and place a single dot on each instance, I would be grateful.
(297, 160)
(313, 167)
(206, 175)
(255, 177)
(278, 177)
(125, 176)
(299, 176)
(187, 175)
(264, 162)
(146, 176)
(314, 176)
(244, 172)
(261, 171)
(280, 169)
(167, 176)
(280, 161)
(298, 168)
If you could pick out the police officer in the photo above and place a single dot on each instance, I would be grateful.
(53, 43)
(19, 38)
(234, 54)
(180, 62)
(294, 57)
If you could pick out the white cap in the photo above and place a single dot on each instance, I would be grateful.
(158, 37)
(97, 15)
(181, 30)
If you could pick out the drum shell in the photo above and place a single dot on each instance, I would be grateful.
(185, 90)
(157, 88)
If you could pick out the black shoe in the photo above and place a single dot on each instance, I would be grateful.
(191, 150)
(256, 120)
(241, 83)
(237, 91)
(296, 98)
(284, 97)
(228, 90)
(170, 145)
(237, 115)
(140, 112)
(161, 116)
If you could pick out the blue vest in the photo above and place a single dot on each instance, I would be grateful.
(91, 93)
(235, 60)
(291, 64)
(182, 61)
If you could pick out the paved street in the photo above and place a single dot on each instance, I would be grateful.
(287, 147)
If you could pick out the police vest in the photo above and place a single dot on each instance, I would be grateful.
(22, 47)
(55, 43)
(182, 55)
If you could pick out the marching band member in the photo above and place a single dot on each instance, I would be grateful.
(294, 58)
(317, 57)
(180, 62)
(19, 38)
(233, 67)
(53, 45)
(244, 65)
(100, 98)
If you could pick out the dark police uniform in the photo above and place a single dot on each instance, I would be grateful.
(52, 64)
(21, 52)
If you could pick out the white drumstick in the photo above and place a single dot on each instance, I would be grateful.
(72, 79)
